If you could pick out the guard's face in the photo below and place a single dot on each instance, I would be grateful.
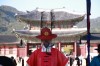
(46, 43)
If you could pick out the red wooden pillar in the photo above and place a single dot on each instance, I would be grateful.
(86, 50)
(27, 47)
(75, 48)
(59, 46)
(4, 50)
(37, 46)
(17, 52)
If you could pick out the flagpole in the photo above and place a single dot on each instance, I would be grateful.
(41, 25)
(52, 19)
(88, 3)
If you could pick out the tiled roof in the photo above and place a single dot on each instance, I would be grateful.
(60, 32)
(94, 38)
(68, 34)
(59, 15)
(8, 39)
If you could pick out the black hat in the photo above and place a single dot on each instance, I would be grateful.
(6, 61)
(98, 49)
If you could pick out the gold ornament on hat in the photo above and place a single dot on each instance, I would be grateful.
(46, 33)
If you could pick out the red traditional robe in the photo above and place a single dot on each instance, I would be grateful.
(53, 58)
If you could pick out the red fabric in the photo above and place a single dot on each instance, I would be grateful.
(55, 58)
(46, 34)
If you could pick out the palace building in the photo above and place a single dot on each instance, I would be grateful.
(60, 21)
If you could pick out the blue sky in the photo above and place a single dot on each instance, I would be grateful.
(73, 5)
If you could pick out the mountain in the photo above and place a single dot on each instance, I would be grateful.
(94, 25)
(8, 21)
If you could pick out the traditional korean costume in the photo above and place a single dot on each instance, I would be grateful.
(53, 58)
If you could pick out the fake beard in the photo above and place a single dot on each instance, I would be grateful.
(47, 46)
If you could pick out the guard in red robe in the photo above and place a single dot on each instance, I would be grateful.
(46, 55)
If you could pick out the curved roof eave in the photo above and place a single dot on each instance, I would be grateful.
(61, 14)
(68, 37)
(68, 20)
(69, 34)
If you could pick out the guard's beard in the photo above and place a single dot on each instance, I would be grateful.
(51, 45)
(46, 46)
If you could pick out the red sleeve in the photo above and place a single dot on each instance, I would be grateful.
(32, 59)
(63, 60)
